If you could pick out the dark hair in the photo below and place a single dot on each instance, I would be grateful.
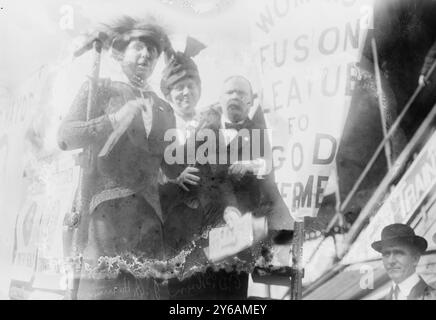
(179, 67)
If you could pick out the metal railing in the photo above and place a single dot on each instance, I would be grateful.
(392, 170)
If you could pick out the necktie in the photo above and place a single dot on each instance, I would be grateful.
(395, 292)
(147, 111)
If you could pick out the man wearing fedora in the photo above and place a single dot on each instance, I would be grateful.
(401, 250)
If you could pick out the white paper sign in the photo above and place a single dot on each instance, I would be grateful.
(226, 241)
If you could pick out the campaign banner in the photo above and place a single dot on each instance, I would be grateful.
(36, 188)
(38, 259)
(16, 113)
(306, 53)
(402, 203)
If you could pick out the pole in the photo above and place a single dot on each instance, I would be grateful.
(78, 231)
(297, 261)
(380, 102)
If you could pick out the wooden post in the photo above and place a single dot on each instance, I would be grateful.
(297, 261)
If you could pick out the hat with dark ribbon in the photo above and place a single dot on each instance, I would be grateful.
(180, 65)
(397, 233)
(122, 31)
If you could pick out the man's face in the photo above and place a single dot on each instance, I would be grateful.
(185, 95)
(139, 61)
(400, 261)
(236, 99)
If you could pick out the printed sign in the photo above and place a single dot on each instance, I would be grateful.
(37, 185)
(306, 53)
(26, 235)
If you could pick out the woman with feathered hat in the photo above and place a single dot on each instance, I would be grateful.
(181, 86)
(122, 215)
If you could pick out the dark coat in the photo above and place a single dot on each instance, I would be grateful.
(217, 190)
(130, 170)
(133, 165)
(421, 291)
(119, 206)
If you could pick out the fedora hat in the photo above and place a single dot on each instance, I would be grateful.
(398, 233)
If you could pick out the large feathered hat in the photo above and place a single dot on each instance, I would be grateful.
(179, 65)
(121, 31)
